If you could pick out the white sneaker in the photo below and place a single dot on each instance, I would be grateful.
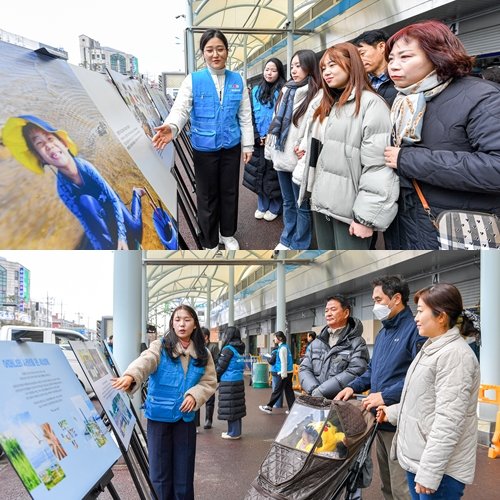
(213, 249)
(225, 435)
(230, 242)
(259, 215)
(269, 216)
(266, 409)
(280, 246)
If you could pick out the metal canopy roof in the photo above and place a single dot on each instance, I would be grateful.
(189, 275)
(248, 24)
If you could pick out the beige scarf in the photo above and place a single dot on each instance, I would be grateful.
(408, 110)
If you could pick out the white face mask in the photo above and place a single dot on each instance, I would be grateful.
(381, 311)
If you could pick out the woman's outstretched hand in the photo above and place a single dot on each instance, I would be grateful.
(163, 136)
(122, 383)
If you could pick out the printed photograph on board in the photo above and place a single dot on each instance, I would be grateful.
(68, 182)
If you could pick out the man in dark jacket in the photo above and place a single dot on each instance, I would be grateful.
(371, 47)
(337, 355)
(395, 347)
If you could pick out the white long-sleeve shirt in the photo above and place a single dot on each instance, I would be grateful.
(283, 354)
(183, 105)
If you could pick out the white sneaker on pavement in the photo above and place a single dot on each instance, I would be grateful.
(230, 242)
(259, 215)
(266, 409)
(269, 216)
(280, 246)
(225, 435)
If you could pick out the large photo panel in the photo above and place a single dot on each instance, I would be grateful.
(67, 180)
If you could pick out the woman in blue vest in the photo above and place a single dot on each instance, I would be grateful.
(230, 367)
(181, 378)
(284, 367)
(260, 176)
(217, 102)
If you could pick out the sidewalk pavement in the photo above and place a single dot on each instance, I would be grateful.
(225, 469)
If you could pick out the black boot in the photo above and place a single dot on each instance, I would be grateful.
(208, 417)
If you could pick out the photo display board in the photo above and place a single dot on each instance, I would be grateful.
(49, 429)
(68, 178)
(115, 403)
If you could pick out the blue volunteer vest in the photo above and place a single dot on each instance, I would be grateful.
(234, 371)
(289, 359)
(166, 389)
(215, 125)
(263, 113)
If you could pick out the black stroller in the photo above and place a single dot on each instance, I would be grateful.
(319, 452)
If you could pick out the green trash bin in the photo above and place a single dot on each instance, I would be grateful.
(260, 375)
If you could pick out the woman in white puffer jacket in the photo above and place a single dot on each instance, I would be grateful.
(436, 420)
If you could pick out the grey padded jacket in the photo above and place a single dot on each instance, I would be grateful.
(351, 180)
(330, 369)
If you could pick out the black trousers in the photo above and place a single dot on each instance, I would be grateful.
(283, 385)
(171, 451)
(217, 176)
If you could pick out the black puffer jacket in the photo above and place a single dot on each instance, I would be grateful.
(259, 175)
(388, 92)
(457, 162)
(231, 394)
(330, 369)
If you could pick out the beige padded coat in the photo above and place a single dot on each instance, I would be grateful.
(148, 361)
(436, 417)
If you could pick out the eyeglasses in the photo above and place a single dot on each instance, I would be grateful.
(210, 52)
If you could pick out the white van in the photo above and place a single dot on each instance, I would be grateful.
(49, 335)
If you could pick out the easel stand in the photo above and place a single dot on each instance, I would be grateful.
(139, 450)
(102, 484)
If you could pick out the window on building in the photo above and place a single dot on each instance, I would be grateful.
(3, 285)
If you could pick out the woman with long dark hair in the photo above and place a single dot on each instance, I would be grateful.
(282, 145)
(230, 366)
(435, 440)
(259, 176)
(445, 133)
(181, 379)
(217, 102)
(352, 192)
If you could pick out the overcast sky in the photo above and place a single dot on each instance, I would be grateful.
(145, 29)
(82, 280)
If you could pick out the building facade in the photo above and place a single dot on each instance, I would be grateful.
(14, 290)
(95, 57)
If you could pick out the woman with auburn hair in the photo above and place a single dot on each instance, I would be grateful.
(352, 192)
(445, 133)
(435, 440)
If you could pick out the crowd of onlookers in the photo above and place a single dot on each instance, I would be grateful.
(422, 381)
(342, 148)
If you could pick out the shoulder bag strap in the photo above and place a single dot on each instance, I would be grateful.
(425, 205)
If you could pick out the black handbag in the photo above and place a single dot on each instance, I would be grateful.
(461, 230)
